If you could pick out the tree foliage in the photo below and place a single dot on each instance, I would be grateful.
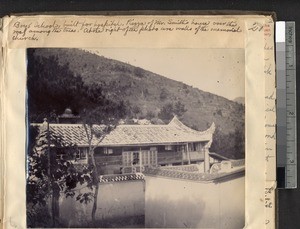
(52, 87)
(163, 94)
(170, 109)
(230, 145)
(49, 175)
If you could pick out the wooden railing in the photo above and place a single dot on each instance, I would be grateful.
(109, 160)
(177, 157)
(194, 156)
(169, 157)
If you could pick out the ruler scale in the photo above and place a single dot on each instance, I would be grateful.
(286, 105)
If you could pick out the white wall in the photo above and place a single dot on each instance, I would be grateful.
(180, 203)
(116, 199)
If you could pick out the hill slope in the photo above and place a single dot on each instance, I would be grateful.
(149, 92)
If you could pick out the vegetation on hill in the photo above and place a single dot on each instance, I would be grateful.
(83, 81)
(240, 100)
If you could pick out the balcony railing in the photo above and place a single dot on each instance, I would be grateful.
(176, 157)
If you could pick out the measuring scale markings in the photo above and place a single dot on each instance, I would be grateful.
(291, 162)
(286, 105)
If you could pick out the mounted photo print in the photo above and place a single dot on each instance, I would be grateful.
(145, 121)
(140, 121)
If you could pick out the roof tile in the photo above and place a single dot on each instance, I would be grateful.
(174, 132)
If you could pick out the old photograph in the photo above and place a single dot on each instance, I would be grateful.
(135, 138)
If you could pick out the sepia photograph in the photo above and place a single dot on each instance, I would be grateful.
(135, 138)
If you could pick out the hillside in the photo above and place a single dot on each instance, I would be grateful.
(148, 92)
(240, 100)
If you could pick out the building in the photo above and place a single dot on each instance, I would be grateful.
(157, 176)
(184, 197)
(133, 148)
(166, 197)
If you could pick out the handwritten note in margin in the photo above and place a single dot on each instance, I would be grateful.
(270, 124)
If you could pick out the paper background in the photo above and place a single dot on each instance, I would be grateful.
(251, 38)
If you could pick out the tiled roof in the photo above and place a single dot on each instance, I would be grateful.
(185, 168)
(190, 173)
(121, 177)
(174, 132)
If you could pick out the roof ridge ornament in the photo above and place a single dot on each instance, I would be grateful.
(212, 128)
(175, 120)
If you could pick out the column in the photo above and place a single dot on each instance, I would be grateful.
(206, 160)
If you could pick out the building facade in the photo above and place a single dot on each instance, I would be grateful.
(133, 148)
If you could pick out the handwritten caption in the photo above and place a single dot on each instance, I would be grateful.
(270, 125)
(24, 30)
(270, 97)
(269, 197)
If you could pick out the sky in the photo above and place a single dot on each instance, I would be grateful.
(219, 71)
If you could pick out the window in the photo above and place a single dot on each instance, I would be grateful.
(145, 158)
(153, 157)
(181, 148)
(81, 154)
(135, 158)
(126, 158)
(191, 147)
(168, 147)
(108, 151)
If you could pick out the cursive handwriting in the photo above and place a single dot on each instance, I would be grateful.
(271, 136)
(271, 97)
(256, 26)
(268, 47)
(269, 156)
(23, 30)
(270, 109)
(268, 195)
(267, 70)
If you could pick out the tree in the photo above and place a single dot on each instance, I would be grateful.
(179, 108)
(169, 110)
(231, 145)
(139, 72)
(150, 115)
(136, 110)
(49, 175)
(163, 94)
(97, 124)
(52, 86)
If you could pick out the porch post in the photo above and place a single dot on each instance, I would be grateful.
(206, 160)
(140, 159)
(188, 153)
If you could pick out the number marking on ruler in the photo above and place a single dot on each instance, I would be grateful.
(291, 157)
(286, 105)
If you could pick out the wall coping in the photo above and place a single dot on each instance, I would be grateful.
(195, 176)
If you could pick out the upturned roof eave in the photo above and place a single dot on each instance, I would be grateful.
(142, 143)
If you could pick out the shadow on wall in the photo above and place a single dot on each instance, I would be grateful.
(173, 203)
(120, 204)
(194, 208)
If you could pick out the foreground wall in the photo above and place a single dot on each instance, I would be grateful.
(183, 203)
(116, 200)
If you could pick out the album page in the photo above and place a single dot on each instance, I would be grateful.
(146, 121)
